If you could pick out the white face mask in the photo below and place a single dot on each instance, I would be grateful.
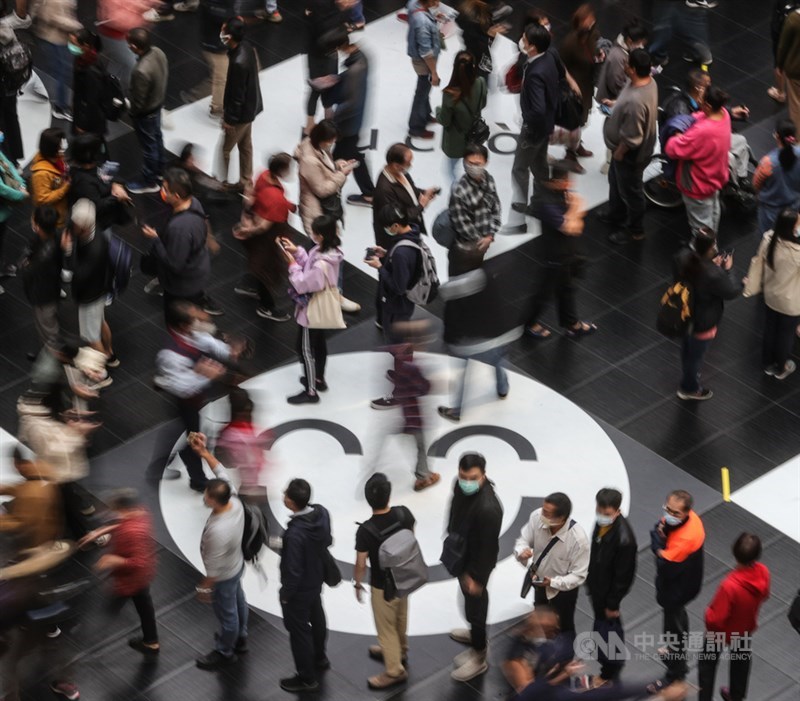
(224, 38)
(521, 45)
(474, 171)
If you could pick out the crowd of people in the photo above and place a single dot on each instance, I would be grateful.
(113, 70)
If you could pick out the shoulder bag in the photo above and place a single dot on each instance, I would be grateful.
(324, 309)
(530, 573)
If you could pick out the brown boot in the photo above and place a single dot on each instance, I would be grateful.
(385, 681)
(429, 481)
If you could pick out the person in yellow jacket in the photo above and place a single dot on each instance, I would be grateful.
(49, 176)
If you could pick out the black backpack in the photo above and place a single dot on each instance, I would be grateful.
(255, 534)
(675, 315)
(15, 66)
(112, 97)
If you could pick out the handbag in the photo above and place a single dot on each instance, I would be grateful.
(755, 277)
(530, 573)
(569, 110)
(454, 554)
(479, 131)
(332, 206)
(331, 574)
(324, 309)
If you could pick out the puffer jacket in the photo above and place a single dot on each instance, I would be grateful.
(313, 271)
(782, 284)
(318, 179)
(49, 187)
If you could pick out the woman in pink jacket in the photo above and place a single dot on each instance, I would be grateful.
(702, 155)
(311, 272)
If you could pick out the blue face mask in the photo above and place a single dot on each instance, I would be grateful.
(75, 50)
(2, 137)
(671, 520)
(603, 520)
(469, 487)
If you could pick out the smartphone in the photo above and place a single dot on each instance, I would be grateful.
(370, 253)
(605, 109)
(537, 581)
(728, 252)
(191, 437)
(437, 191)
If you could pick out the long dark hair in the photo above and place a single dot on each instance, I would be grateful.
(326, 227)
(787, 136)
(463, 77)
(784, 229)
(703, 242)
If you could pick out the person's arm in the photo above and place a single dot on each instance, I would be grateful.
(631, 130)
(719, 610)
(533, 103)
(445, 115)
(322, 181)
(308, 281)
(139, 88)
(404, 261)
(235, 93)
(624, 572)
(175, 253)
(487, 547)
(176, 375)
(292, 569)
(683, 147)
(523, 546)
(358, 574)
(762, 174)
(578, 569)
(45, 195)
(725, 284)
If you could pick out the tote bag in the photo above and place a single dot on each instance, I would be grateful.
(324, 309)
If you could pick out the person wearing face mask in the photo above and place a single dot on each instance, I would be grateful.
(612, 76)
(474, 522)
(423, 47)
(612, 567)
(677, 543)
(49, 175)
(88, 78)
(559, 551)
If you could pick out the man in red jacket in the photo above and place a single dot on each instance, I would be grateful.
(732, 613)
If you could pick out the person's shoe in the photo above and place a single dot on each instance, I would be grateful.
(622, 238)
(154, 288)
(152, 15)
(170, 473)
(384, 403)
(429, 481)
(323, 664)
(319, 383)
(271, 315)
(725, 693)
(199, 488)
(461, 635)
(101, 384)
(777, 95)
(139, 188)
(274, 17)
(8, 270)
(571, 160)
(698, 396)
(521, 208)
(449, 413)
(112, 361)
(511, 229)
(474, 667)
(65, 688)
(54, 632)
(303, 398)
(298, 685)
(463, 657)
(2, 290)
(502, 395)
(186, 6)
(386, 681)
(583, 152)
(232, 188)
(215, 660)
(770, 370)
(604, 215)
(376, 653)
(244, 291)
(139, 645)
(241, 646)
(788, 369)
(703, 4)
(692, 58)
(424, 134)
(348, 305)
(359, 201)
(14, 21)
(210, 308)
(61, 113)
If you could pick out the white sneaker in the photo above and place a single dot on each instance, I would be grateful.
(474, 667)
(348, 305)
(788, 369)
(461, 635)
(152, 16)
(16, 22)
(186, 6)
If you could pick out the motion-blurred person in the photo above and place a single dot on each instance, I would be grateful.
(733, 612)
(264, 219)
(478, 21)
(311, 272)
(423, 47)
(462, 102)
(321, 17)
(612, 567)
(689, 23)
(19, 17)
(13, 189)
(241, 102)
(470, 553)
(115, 19)
(131, 562)
(213, 14)
(788, 63)
(561, 212)
(88, 84)
(777, 177)
(559, 550)
(15, 70)
(49, 174)
(185, 369)
(41, 275)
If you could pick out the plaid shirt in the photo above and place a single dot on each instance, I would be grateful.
(475, 208)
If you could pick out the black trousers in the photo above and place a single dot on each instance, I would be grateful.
(9, 125)
(530, 158)
(188, 411)
(562, 603)
(626, 201)
(739, 667)
(779, 333)
(147, 613)
(347, 149)
(676, 630)
(555, 281)
(304, 620)
(607, 628)
(312, 349)
(476, 608)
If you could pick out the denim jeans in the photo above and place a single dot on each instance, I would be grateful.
(692, 351)
(495, 357)
(626, 200)
(689, 23)
(230, 608)
(148, 129)
(421, 106)
(58, 65)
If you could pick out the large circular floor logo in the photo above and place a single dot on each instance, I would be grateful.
(535, 442)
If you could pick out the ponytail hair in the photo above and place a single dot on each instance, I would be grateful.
(784, 229)
(787, 136)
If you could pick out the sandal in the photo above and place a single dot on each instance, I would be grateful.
(540, 335)
(777, 95)
(585, 329)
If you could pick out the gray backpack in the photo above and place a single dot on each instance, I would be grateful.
(426, 286)
(401, 559)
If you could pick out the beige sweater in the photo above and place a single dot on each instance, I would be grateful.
(782, 285)
(55, 20)
(318, 179)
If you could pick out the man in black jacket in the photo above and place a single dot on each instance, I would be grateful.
(305, 541)
(241, 102)
(476, 515)
(612, 566)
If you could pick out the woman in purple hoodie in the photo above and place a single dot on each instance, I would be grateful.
(311, 272)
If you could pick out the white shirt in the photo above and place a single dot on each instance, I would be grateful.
(567, 563)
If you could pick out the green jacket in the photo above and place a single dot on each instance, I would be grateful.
(9, 193)
(456, 118)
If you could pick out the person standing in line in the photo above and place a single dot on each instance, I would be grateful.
(560, 551)
(305, 540)
(788, 63)
(49, 175)
(612, 567)
(475, 519)
(689, 22)
(241, 103)
(733, 612)
(630, 134)
(613, 75)
(148, 88)
(423, 47)
(391, 617)
(213, 14)
(12, 78)
(677, 543)
(777, 177)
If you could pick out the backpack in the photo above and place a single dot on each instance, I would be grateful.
(426, 288)
(675, 315)
(442, 230)
(400, 557)
(112, 97)
(255, 533)
(120, 258)
(15, 66)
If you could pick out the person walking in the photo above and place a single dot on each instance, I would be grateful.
(311, 272)
(677, 543)
(733, 612)
(148, 89)
(213, 14)
(788, 63)
(688, 22)
(15, 71)
(305, 542)
(115, 18)
(630, 134)
(612, 568)
(777, 177)
(462, 102)
(241, 102)
(778, 277)
(321, 18)
(88, 80)
(423, 47)
(391, 616)
(474, 521)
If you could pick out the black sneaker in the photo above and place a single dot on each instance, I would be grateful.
(384, 403)
(8, 270)
(215, 660)
(303, 398)
(241, 646)
(210, 308)
(138, 645)
(323, 664)
(450, 414)
(359, 201)
(298, 685)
